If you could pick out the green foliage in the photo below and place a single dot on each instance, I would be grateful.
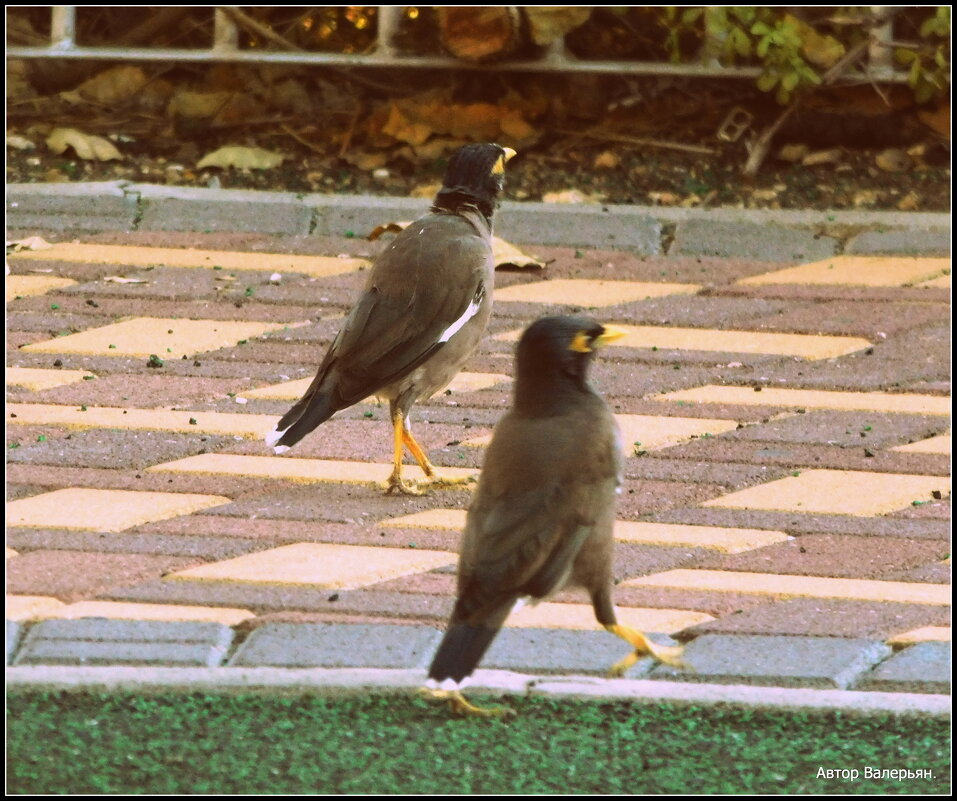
(794, 54)
(178, 744)
(928, 61)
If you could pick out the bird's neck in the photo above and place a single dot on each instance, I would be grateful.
(546, 393)
(455, 202)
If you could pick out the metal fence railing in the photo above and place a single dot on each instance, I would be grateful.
(63, 45)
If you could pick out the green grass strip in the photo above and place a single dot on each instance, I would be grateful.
(91, 743)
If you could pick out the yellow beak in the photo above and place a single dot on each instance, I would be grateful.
(609, 335)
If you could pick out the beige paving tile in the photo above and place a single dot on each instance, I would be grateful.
(293, 390)
(340, 567)
(135, 256)
(549, 615)
(857, 271)
(31, 607)
(116, 610)
(813, 399)
(941, 282)
(579, 292)
(38, 379)
(25, 286)
(293, 469)
(443, 519)
(104, 510)
(653, 432)
(724, 540)
(939, 444)
(841, 492)
(242, 425)
(473, 382)
(715, 538)
(805, 346)
(785, 586)
(144, 336)
(923, 634)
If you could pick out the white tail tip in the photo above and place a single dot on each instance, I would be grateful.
(274, 436)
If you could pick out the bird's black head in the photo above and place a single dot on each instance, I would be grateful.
(476, 176)
(553, 357)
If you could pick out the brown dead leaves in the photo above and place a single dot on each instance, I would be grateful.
(418, 119)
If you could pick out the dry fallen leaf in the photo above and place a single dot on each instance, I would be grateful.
(387, 228)
(86, 146)
(110, 87)
(119, 279)
(507, 255)
(570, 196)
(19, 142)
(30, 243)
(246, 158)
(401, 127)
(910, 202)
(366, 161)
(197, 105)
(415, 119)
(504, 253)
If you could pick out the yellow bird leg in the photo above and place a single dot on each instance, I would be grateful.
(395, 482)
(459, 706)
(667, 654)
(432, 477)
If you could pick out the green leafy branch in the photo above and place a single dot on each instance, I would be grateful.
(794, 55)
(929, 60)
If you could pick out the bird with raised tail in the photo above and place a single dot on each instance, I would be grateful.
(543, 514)
(421, 315)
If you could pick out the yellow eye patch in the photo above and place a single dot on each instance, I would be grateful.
(580, 343)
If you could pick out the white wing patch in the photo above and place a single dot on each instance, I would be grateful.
(467, 315)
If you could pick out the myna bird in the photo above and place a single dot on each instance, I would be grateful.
(542, 516)
(421, 315)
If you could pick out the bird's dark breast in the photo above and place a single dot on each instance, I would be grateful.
(578, 447)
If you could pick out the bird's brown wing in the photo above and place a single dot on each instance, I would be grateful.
(545, 484)
(426, 280)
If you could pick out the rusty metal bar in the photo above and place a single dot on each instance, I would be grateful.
(556, 58)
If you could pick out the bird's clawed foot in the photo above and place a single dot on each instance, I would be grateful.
(434, 481)
(460, 706)
(395, 483)
(670, 655)
(437, 481)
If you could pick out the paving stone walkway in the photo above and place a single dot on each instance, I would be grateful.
(786, 508)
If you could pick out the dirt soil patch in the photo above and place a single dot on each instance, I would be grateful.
(580, 138)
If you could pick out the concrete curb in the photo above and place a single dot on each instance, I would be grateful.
(349, 682)
(772, 235)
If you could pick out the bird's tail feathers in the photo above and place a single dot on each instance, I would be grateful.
(460, 651)
(312, 409)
